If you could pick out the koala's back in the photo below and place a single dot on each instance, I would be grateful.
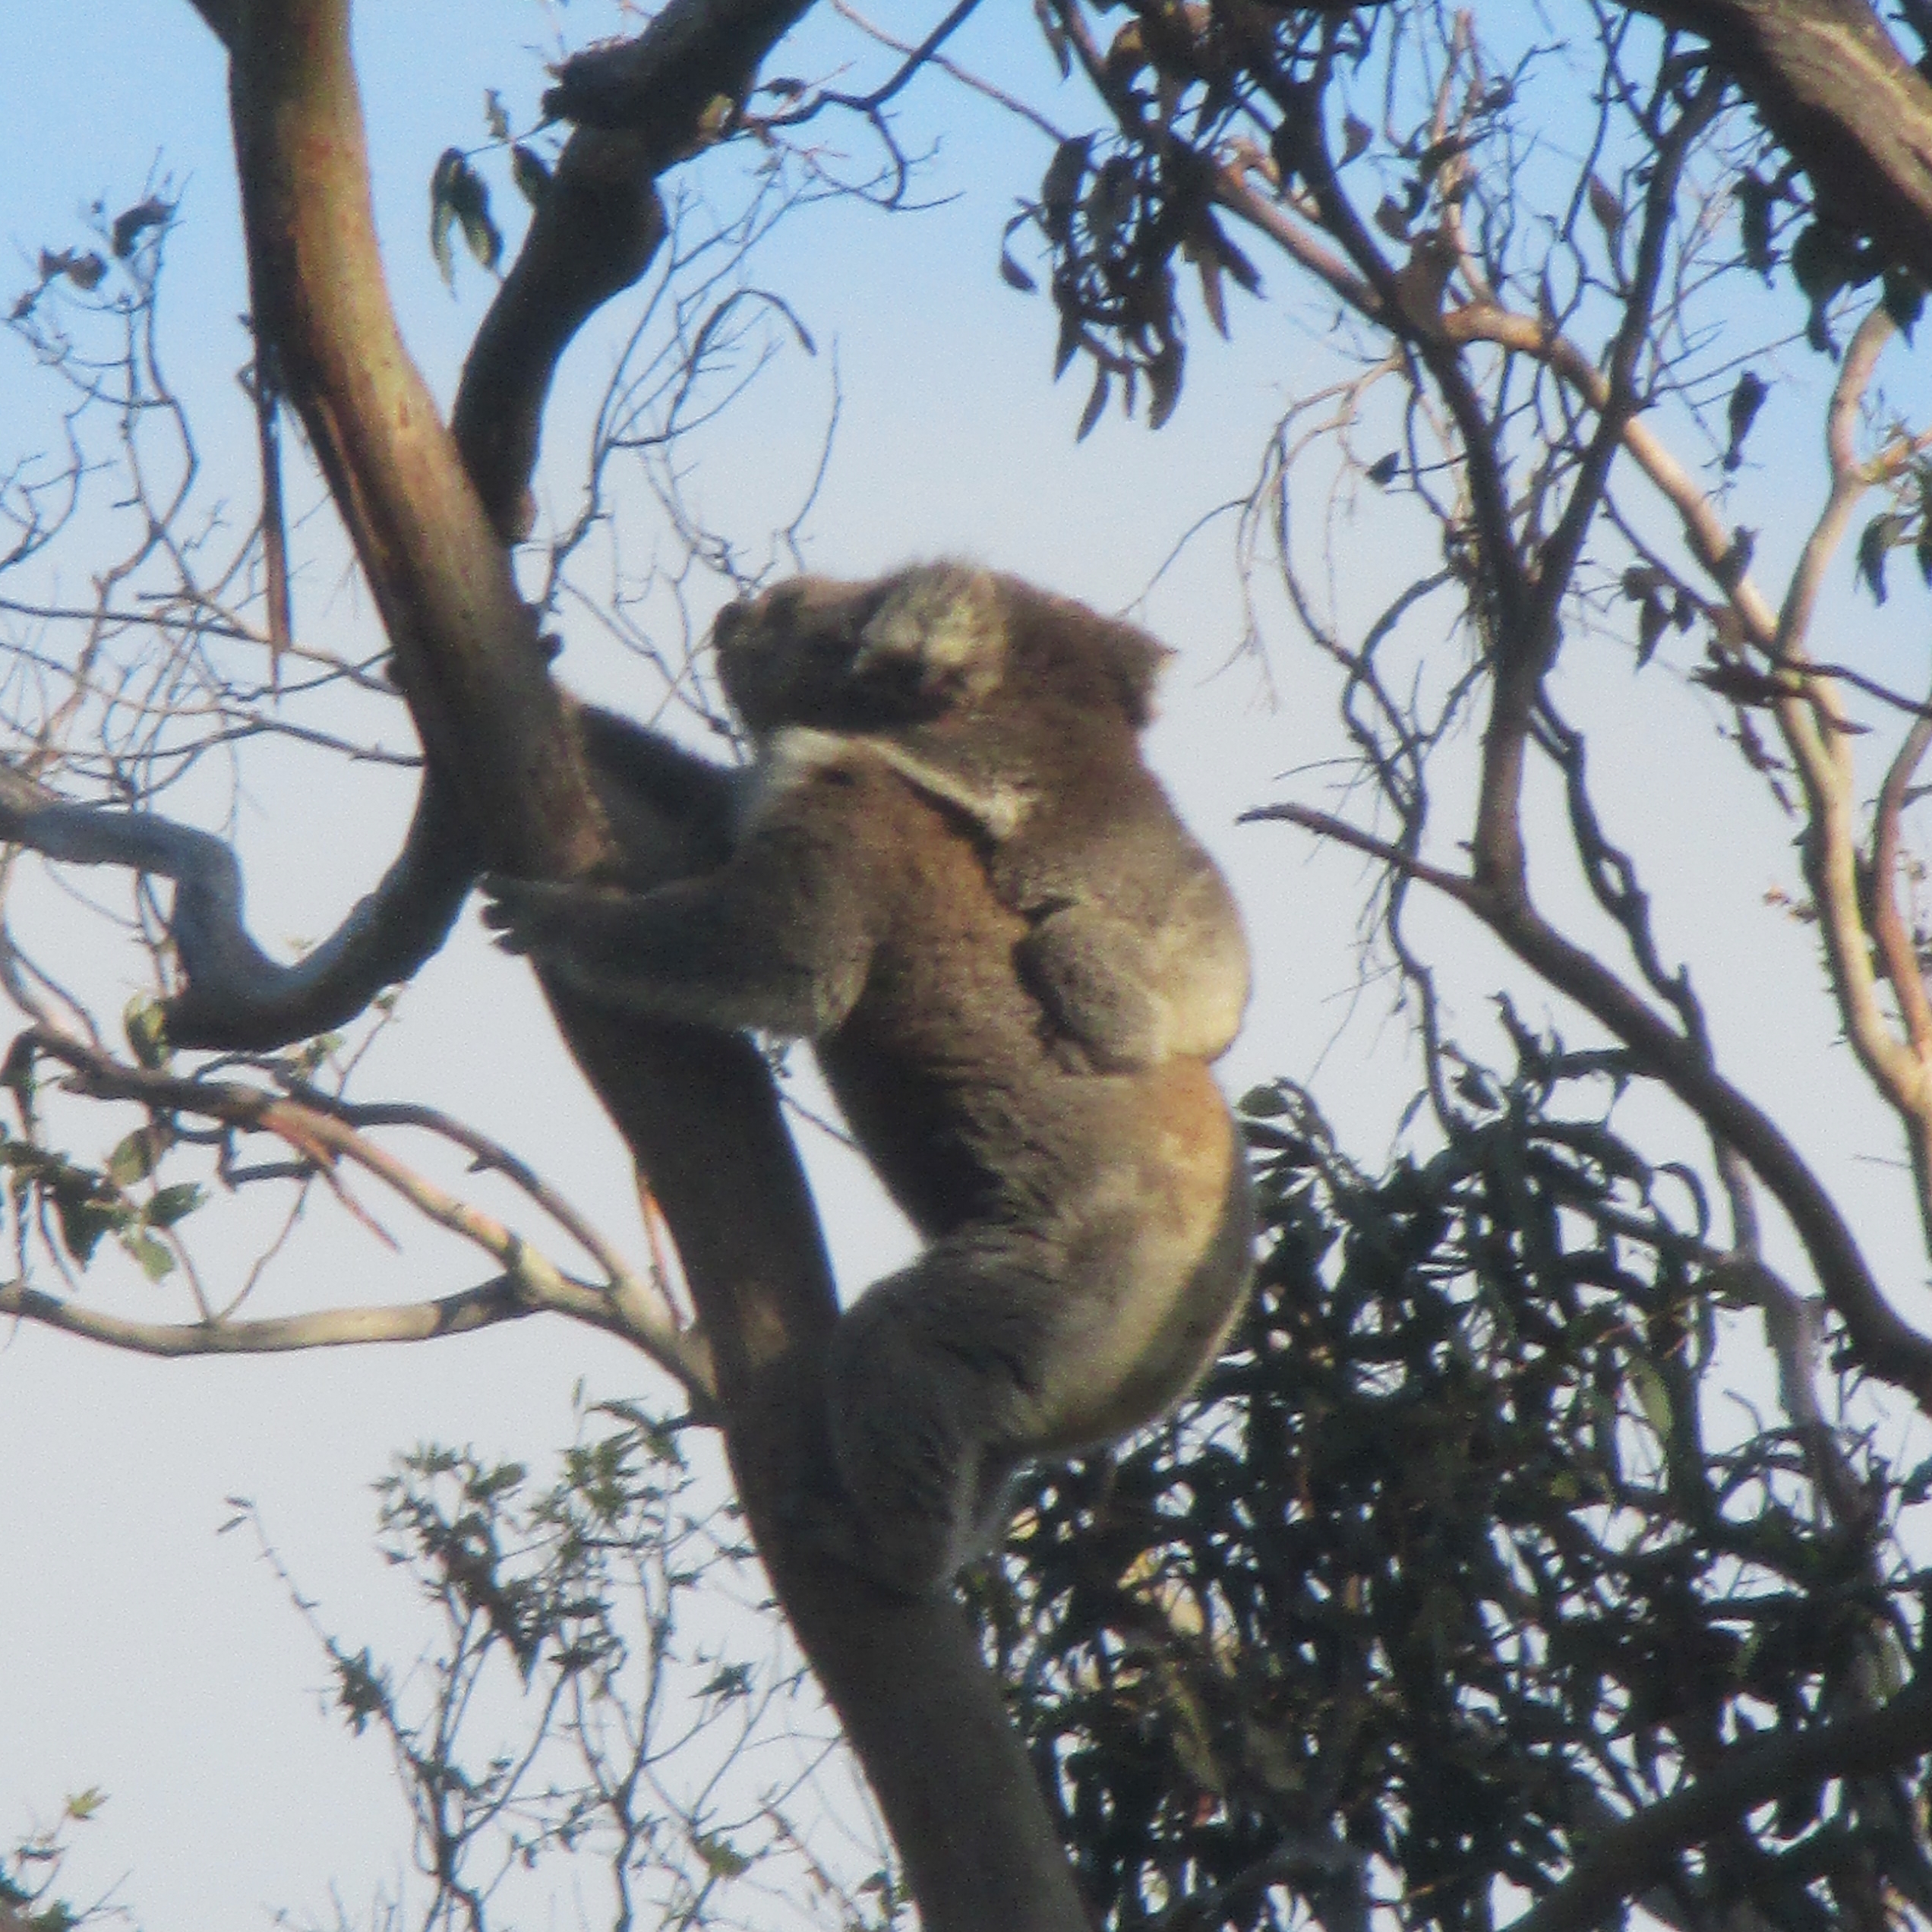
(941, 1066)
(1131, 1190)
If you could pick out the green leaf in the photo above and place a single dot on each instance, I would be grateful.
(1163, 383)
(133, 1159)
(155, 1262)
(83, 1218)
(1817, 262)
(1747, 399)
(458, 198)
(146, 1031)
(1884, 532)
(1096, 401)
(174, 1204)
(1059, 187)
(1652, 616)
(531, 172)
(721, 1856)
(1069, 343)
(1652, 1395)
(1755, 197)
(1905, 298)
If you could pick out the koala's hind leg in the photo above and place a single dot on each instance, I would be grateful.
(927, 1397)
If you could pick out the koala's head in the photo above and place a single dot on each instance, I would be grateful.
(857, 657)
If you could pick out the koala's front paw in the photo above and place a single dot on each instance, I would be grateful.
(526, 915)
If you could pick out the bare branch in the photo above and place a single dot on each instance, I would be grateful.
(966, 78)
(236, 996)
(1464, 890)
(505, 1299)
(1895, 944)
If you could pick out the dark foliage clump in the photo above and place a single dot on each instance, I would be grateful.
(1464, 1556)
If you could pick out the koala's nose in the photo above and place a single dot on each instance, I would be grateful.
(730, 620)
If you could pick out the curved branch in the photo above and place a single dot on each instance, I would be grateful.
(505, 1299)
(235, 995)
(1640, 1850)
(602, 222)
(600, 225)
(1889, 1348)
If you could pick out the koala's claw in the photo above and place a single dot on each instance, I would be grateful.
(520, 912)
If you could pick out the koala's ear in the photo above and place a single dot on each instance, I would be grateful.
(937, 631)
(1139, 661)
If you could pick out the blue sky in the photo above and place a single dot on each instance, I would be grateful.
(163, 1662)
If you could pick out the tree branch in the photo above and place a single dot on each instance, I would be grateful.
(1888, 1347)
(689, 70)
(322, 1134)
(236, 996)
(1832, 87)
(600, 225)
(505, 1299)
(1640, 1850)
(697, 1108)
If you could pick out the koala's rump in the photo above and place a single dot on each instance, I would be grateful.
(1158, 1259)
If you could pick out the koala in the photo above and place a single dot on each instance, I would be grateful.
(1089, 1233)
(1022, 711)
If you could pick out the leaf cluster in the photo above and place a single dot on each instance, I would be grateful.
(574, 1712)
(1449, 1570)
(78, 1204)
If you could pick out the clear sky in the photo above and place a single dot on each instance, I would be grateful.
(144, 1654)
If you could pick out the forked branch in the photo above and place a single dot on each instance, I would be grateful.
(328, 1137)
